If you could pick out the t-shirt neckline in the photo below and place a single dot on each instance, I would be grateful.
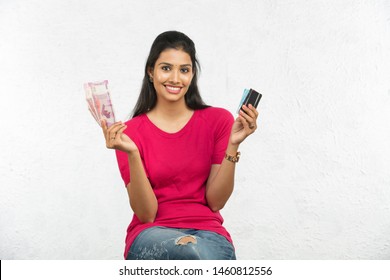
(174, 134)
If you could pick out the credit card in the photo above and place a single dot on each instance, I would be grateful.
(249, 96)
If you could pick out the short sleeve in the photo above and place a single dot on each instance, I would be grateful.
(123, 164)
(133, 130)
(224, 122)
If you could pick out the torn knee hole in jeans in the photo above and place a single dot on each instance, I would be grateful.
(184, 240)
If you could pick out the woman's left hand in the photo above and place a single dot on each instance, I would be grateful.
(244, 125)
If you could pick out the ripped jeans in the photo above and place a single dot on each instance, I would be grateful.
(162, 243)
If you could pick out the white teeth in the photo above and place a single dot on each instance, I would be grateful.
(173, 88)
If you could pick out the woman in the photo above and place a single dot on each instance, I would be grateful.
(177, 159)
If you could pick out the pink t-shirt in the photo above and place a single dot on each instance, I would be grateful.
(177, 166)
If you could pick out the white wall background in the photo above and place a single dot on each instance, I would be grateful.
(313, 182)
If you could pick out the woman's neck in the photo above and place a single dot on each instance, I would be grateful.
(171, 111)
(170, 119)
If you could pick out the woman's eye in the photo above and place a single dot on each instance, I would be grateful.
(185, 70)
(166, 68)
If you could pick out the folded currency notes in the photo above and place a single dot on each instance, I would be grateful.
(99, 102)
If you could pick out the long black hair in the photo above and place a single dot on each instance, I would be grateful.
(169, 40)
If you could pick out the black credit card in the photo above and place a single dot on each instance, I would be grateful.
(250, 96)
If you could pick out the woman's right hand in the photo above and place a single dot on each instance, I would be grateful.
(116, 139)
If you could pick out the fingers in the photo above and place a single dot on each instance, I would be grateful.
(104, 126)
(250, 114)
(118, 133)
(113, 133)
(244, 123)
(250, 110)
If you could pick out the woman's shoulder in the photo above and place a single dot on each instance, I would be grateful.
(134, 126)
(135, 121)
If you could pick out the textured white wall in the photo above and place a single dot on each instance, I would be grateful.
(314, 181)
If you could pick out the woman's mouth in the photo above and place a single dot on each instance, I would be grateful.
(173, 89)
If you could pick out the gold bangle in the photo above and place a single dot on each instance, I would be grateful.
(233, 159)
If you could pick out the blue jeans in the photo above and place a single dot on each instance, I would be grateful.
(162, 243)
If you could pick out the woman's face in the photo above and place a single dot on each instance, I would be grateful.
(172, 75)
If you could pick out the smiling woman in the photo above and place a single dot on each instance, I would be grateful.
(177, 159)
(170, 43)
(172, 76)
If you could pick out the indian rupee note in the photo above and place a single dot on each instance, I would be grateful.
(91, 106)
(102, 101)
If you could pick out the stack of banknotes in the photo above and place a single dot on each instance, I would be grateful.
(99, 102)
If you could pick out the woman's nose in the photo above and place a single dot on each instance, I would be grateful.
(174, 77)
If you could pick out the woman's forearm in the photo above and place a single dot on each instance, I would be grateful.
(220, 187)
(142, 198)
(220, 183)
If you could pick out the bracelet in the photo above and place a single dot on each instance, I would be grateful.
(233, 159)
